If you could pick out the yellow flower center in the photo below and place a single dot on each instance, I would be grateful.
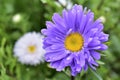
(31, 49)
(74, 42)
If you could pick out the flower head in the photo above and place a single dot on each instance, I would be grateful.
(16, 18)
(73, 39)
(103, 19)
(29, 49)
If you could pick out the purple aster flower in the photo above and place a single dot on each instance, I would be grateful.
(73, 40)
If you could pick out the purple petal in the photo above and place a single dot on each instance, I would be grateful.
(99, 47)
(103, 47)
(85, 67)
(55, 56)
(69, 18)
(95, 55)
(44, 31)
(89, 21)
(93, 67)
(81, 60)
(94, 43)
(55, 64)
(103, 37)
(94, 63)
(68, 59)
(83, 23)
(59, 22)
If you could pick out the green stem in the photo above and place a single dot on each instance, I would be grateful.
(72, 78)
(100, 4)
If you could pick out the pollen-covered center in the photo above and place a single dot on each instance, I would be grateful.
(74, 42)
(31, 48)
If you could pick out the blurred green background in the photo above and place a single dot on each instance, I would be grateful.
(18, 17)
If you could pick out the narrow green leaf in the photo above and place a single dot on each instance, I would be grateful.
(96, 74)
(67, 71)
(100, 62)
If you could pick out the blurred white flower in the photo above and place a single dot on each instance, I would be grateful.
(29, 49)
(16, 18)
(103, 19)
(67, 3)
(63, 2)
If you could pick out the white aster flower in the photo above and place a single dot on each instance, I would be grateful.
(67, 3)
(29, 49)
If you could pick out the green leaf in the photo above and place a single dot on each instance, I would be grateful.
(96, 74)
(3, 73)
(67, 71)
(100, 62)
